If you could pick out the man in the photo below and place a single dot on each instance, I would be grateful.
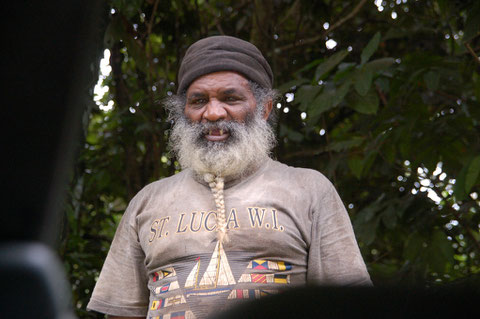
(234, 224)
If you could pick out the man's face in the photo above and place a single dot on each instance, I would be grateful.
(220, 96)
(221, 131)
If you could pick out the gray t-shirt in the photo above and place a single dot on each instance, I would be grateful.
(287, 227)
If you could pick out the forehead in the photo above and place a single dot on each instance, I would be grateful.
(224, 80)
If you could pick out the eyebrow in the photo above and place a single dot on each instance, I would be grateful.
(195, 95)
(232, 91)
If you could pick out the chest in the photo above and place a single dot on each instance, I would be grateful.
(258, 226)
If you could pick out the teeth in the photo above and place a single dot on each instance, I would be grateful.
(216, 131)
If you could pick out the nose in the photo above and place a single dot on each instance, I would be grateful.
(214, 111)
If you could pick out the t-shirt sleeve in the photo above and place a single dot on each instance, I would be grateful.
(334, 256)
(121, 288)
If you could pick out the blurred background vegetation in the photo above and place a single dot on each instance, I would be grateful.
(380, 96)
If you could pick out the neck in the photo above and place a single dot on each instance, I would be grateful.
(231, 178)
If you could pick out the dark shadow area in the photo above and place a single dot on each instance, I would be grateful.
(362, 302)
(49, 50)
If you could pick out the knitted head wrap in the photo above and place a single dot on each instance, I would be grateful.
(223, 53)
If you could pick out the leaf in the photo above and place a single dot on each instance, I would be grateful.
(364, 76)
(305, 96)
(476, 85)
(287, 86)
(459, 187)
(344, 71)
(290, 134)
(443, 245)
(355, 164)
(367, 232)
(413, 246)
(432, 79)
(440, 251)
(443, 6)
(389, 217)
(368, 161)
(308, 66)
(370, 49)
(472, 174)
(381, 64)
(363, 81)
(366, 221)
(395, 33)
(466, 178)
(327, 100)
(367, 213)
(367, 104)
(339, 146)
(389, 150)
(329, 64)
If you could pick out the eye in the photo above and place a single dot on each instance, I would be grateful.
(231, 99)
(198, 101)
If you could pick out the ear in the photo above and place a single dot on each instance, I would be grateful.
(267, 109)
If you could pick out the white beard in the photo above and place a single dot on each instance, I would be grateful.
(248, 145)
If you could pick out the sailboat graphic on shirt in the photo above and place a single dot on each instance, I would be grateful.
(217, 278)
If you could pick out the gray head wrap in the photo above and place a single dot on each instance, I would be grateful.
(223, 53)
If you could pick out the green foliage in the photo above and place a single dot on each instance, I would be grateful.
(390, 114)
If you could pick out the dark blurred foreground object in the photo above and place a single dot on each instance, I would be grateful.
(362, 302)
(48, 50)
(33, 283)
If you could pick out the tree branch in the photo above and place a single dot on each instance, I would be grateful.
(324, 34)
(381, 95)
(470, 50)
(152, 17)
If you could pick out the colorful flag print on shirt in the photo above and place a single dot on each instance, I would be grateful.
(250, 293)
(259, 278)
(167, 302)
(168, 287)
(281, 279)
(176, 315)
(164, 273)
(265, 278)
(268, 264)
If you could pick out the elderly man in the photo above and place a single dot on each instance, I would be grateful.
(234, 224)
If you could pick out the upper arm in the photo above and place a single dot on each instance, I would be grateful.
(122, 288)
(334, 256)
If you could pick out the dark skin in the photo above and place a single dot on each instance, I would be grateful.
(218, 96)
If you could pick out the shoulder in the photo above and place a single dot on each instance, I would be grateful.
(166, 183)
(305, 177)
(160, 188)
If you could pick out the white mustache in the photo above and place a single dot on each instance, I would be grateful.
(248, 145)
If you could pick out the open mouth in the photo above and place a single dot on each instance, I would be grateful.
(216, 134)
